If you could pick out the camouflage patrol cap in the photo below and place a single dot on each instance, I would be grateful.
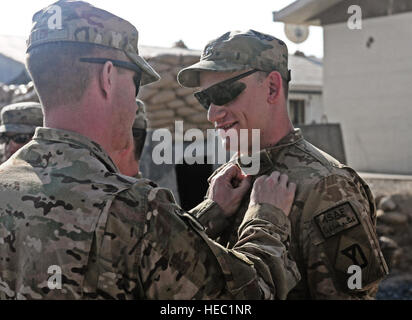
(140, 122)
(78, 21)
(236, 51)
(21, 117)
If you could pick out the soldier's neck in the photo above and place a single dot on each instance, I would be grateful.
(85, 122)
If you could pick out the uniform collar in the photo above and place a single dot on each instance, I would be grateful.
(73, 138)
(266, 156)
(139, 175)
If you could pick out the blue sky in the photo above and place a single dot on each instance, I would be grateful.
(163, 22)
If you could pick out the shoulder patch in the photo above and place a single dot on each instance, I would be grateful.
(336, 220)
(352, 252)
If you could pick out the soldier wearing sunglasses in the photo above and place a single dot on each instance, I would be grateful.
(18, 122)
(66, 205)
(243, 80)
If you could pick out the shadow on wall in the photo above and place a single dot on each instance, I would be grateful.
(188, 182)
(327, 137)
(192, 183)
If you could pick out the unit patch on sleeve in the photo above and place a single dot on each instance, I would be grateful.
(336, 220)
(351, 252)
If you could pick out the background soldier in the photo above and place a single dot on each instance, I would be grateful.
(18, 122)
(65, 205)
(128, 160)
(333, 216)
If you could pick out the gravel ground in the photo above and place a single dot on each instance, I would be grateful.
(398, 284)
(395, 290)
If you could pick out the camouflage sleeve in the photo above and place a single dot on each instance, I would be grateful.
(211, 216)
(338, 231)
(179, 261)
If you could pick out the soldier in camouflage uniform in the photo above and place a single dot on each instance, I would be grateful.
(73, 227)
(333, 216)
(128, 160)
(18, 122)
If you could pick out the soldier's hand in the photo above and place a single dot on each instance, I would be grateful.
(228, 189)
(274, 190)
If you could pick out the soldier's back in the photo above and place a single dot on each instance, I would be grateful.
(66, 212)
(72, 227)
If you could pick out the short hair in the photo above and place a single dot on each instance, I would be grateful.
(58, 75)
(285, 84)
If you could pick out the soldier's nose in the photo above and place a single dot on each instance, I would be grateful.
(216, 113)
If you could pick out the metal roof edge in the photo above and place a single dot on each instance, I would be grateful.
(300, 11)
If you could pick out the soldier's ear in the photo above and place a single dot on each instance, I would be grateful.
(274, 86)
(106, 79)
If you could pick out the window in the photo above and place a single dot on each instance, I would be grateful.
(297, 111)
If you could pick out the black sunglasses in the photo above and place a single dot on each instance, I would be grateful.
(223, 92)
(121, 64)
(19, 138)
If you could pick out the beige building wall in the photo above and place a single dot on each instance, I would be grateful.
(368, 89)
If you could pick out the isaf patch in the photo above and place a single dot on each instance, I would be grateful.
(348, 241)
(336, 220)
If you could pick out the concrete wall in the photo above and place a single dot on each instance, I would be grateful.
(368, 89)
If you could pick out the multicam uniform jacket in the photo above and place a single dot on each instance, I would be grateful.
(333, 221)
(66, 211)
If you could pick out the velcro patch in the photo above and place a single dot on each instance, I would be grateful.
(351, 252)
(337, 219)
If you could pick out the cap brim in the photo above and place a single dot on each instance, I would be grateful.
(149, 74)
(189, 77)
(17, 128)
